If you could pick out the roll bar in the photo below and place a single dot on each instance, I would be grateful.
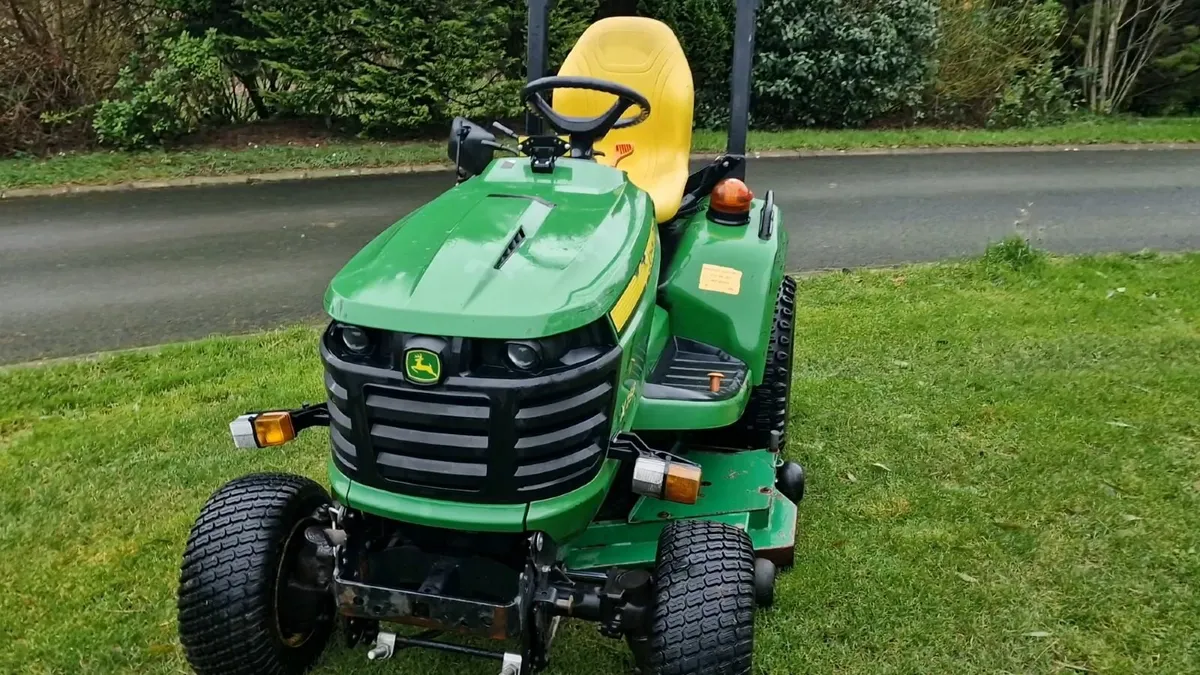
(741, 70)
(537, 53)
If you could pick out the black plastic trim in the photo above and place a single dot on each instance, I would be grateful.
(682, 373)
(477, 439)
(766, 224)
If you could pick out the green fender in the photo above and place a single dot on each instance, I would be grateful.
(721, 284)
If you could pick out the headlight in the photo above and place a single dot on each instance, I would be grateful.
(531, 357)
(356, 339)
(525, 355)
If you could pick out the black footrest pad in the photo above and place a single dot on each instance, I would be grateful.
(682, 373)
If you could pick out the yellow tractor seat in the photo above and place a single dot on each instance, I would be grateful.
(645, 55)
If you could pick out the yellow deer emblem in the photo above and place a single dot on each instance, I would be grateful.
(423, 366)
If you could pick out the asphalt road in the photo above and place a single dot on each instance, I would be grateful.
(87, 273)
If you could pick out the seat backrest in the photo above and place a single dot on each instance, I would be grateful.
(645, 55)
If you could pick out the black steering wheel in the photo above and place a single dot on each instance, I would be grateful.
(585, 131)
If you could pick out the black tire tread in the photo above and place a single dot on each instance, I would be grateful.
(226, 581)
(703, 621)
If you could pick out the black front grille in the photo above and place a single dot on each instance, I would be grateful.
(471, 438)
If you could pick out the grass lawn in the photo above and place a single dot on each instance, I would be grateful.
(119, 167)
(1005, 477)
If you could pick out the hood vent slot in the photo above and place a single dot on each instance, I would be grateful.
(513, 244)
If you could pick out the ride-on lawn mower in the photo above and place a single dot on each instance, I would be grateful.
(558, 390)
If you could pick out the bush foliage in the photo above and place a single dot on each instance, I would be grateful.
(390, 67)
(705, 30)
(386, 66)
(56, 60)
(818, 62)
(179, 88)
(841, 62)
(997, 63)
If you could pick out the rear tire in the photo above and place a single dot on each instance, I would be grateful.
(766, 412)
(234, 580)
(703, 621)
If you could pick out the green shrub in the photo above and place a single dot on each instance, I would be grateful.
(388, 67)
(1170, 84)
(174, 90)
(568, 20)
(384, 65)
(996, 64)
(841, 62)
(1037, 97)
(705, 30)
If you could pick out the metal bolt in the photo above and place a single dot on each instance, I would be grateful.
(714, 381)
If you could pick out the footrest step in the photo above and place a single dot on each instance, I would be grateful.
(685, 373)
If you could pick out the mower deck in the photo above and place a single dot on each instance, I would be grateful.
(739, 490)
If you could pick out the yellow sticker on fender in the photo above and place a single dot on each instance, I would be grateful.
(720, 279)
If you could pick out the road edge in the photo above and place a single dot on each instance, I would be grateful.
(317, 174)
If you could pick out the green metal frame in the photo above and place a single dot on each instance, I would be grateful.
(740, 492)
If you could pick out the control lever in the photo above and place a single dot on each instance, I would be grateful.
(501, 146)
(506, 131)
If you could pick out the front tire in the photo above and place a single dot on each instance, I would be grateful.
(240, 610)
(703, 620)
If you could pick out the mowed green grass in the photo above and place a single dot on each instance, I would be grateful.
(1004, 477)
(96, 168)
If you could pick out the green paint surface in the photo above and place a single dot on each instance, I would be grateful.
(430, 512)
(738, 323)
(660, 332)
(657, 414)
(635, 356)
(740, 492)
(566, 516)
(576, 237)
(737, 481)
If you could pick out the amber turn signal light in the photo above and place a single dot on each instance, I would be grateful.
(730, 202)
(731, 196)
(683, 483)
(262, 430)
(273, 428)
(666, 480)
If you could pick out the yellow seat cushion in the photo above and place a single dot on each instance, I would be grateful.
(642, 54)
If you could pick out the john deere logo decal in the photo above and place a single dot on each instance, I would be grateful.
(422, 366)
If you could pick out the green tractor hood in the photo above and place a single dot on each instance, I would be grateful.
(507, 254)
